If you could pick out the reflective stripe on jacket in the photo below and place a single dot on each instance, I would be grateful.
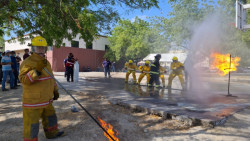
(38, 92)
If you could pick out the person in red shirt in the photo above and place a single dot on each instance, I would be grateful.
(70, 67)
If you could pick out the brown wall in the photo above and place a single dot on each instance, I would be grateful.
(86, 58)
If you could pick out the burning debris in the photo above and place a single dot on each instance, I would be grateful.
(224, 63)
(109, 128)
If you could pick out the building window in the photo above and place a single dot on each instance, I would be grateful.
(106, 47)
(89, 46)
(75, 44)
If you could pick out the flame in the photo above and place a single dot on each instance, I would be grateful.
(221, 62)
(109, 129)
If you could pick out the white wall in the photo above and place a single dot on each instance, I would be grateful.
(98, 43)
(16, 45)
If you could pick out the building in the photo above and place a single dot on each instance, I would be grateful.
(89, 55)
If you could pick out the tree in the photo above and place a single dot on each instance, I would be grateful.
(132, 40)
(185, 14)
(2, 42)
(53, 19)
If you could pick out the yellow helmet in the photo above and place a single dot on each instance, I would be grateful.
(130, 61)
(175, 58)
(39, 41)
(147, 62)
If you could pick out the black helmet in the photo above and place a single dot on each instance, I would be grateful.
(158, 56)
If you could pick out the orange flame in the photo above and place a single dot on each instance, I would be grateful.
(221, 62)
(109, 129)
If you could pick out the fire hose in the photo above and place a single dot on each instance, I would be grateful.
(79, 103)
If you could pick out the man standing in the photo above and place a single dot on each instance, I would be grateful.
(113, 67)
(18, 60)
(26, 54)
(39, 91)
(1, 73)
(14, 67)
(106, 65)
(6, 68)
(70, 67)
(155, 72)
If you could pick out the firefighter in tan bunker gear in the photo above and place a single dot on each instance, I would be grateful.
(131, 67)
(177, 68)
(39, 91)
(162, 71)
(145, 70)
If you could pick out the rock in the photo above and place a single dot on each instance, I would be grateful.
(145, 130)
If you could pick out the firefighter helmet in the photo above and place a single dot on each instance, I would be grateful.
(39, 41)
(175, 58)
(130, 61)
(147, 62)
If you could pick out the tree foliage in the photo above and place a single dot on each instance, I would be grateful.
(132, 40)
(54, 18)
(1, 41)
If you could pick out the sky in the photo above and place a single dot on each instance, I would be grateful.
(164, 9)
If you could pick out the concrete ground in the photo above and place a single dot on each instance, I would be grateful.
(95, 93)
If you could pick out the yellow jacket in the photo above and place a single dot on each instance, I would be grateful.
(144, 69)
(38, 92)
(177, 67)
(130, 67)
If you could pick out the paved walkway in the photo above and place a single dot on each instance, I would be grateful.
(208, 108)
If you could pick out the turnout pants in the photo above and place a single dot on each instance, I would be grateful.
(31, 123)
(133, 74)
(172, 76)
(70, 73)
(154, 78)
(141, 77)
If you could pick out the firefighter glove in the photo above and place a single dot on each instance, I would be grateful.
(56, 95)
(40, 65)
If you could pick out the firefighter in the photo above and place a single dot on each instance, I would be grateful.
(39, 91)
(131, 67)
(145, 70)
(162, 71)
(155, 72)
(177, 68)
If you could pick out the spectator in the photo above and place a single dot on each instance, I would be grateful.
(106, 65)
(18, 60)
(113, 67)
(6, 68)
(64, 64)
(1, 73)
(26, 54)
(70, 67)
(14, 67)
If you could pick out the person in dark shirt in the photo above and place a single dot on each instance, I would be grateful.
(106, 65)
(64, 64)
(70, 67)
(1, 72)
(14, 67)
(26, 54)
(155, 72)
(18, 60)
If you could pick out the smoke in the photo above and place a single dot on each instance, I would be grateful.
(207, 37)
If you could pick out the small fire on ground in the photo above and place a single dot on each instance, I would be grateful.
(109, 129)
(221, 62)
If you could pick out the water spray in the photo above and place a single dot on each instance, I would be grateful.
(79, 104)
